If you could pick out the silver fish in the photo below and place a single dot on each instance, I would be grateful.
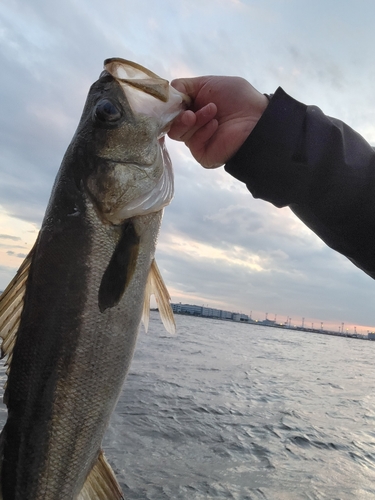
(70, 317)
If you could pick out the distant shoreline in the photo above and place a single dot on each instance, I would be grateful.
(210, 313)
(284, 327)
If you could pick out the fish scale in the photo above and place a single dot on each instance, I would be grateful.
(84, 288)
(105, 351)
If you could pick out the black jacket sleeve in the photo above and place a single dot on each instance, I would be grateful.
(322, 169)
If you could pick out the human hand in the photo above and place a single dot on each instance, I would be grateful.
(224, 111)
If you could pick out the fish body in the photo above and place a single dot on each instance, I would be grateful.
(71, 316)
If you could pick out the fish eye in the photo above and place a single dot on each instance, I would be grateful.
(106, 111)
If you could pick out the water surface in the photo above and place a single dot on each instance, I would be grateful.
(224, 410)
(227, 410)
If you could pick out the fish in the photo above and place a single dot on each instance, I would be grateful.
(70, 317)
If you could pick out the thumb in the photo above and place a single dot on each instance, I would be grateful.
(189, 86)
(180, 84)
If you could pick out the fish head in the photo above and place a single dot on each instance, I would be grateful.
(127, 114)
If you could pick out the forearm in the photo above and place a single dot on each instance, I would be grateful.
(298, 157)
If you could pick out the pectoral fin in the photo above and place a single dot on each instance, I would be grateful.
(120, 268)
(101, 483)
(156, 286)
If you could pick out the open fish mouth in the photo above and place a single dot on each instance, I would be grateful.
(134, 78)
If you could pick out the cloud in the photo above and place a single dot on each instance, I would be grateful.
(19, 255)
(217, 243)
(9, 237)
(221, 246)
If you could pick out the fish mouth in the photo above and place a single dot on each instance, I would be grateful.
(167, 103)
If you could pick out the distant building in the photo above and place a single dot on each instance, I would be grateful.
(226, 315)
(268, 322)
(244, 317)
(208, 312)
(187, 309)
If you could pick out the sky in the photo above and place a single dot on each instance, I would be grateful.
(218, 246)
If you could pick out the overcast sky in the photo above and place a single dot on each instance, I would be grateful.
(218, 245)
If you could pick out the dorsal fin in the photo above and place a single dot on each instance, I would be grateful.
(156, 286)
(101, 483)
(11, 305)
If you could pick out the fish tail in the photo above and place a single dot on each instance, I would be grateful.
(101, 483)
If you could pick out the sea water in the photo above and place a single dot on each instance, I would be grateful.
(225, 410)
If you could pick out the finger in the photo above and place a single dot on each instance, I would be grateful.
(203, 116)
(182, 124)
(179, 85)
(189, 86)
(198, 144)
